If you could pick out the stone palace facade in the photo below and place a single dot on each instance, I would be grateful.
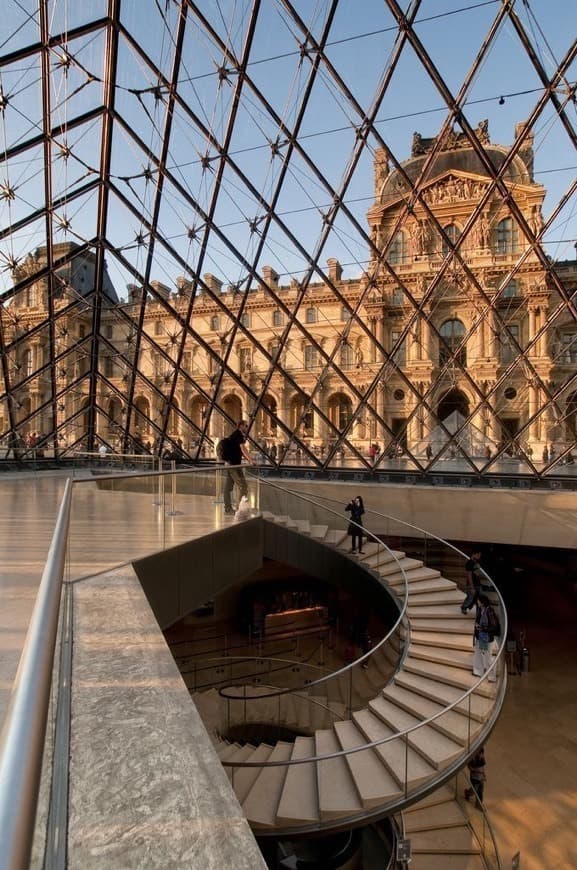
(458, 337)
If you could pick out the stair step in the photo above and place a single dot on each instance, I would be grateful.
(299, 802)
(447, 861)
(403, 762)
(452, 724)
(414, 576)
(338, 795)
(243, 777)
(445, 815)
(371, 548)
(443, 640)
(303, 526)
(454, 658)
(423, 587)
(442, 611)
(398, 567)
(374, 783)
(448, 597)
(435, 747)
(241, 753)
(457, 625)
(456, 840)
(333, 537)
(435, 691)
(260, 804)
(382, 556)
(452, 676)
(440, 796)
(226, 750)
(318, 531)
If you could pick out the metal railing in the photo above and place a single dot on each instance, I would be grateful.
(23, 735)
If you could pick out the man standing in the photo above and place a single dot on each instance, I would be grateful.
(473, 572)
(235, 450)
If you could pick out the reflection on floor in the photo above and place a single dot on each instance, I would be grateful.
(531, 791)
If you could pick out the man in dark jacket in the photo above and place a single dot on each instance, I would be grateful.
(474, 574)
(235, 452)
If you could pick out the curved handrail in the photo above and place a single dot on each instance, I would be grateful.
(404, 523)
(505, 623)
(221, 661)
(400, 734)
(310, 700)
(334, 675)
(374, 743)
(24, 732)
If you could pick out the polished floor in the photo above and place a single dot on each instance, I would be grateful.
(531, 792)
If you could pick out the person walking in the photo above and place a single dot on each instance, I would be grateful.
(486, 629)
(477, 776)
(233, 454)
(356, 509)
(473, 581)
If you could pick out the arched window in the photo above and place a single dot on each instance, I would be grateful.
(141, 417)
(274, 348)
(506, 236)
(198, 411)
(311, 357)
(399, 249)
(452, 232)
(311, 315)
(302, 425)
(215, 322)
(266, 425)
(340, 410)
(347, 355)
(452, 333)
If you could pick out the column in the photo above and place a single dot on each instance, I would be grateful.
(534, 426)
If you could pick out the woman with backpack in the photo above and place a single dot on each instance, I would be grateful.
(487, 628)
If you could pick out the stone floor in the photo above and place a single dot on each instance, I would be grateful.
(531, 791)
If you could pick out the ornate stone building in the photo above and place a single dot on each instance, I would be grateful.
(458, 341)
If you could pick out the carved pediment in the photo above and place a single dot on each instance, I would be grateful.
(454, 188)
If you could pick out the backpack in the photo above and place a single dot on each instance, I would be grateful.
(223, 450)
(494, 625)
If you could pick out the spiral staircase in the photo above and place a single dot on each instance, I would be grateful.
(375, 736)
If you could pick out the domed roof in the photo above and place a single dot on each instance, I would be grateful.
(456, 154)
